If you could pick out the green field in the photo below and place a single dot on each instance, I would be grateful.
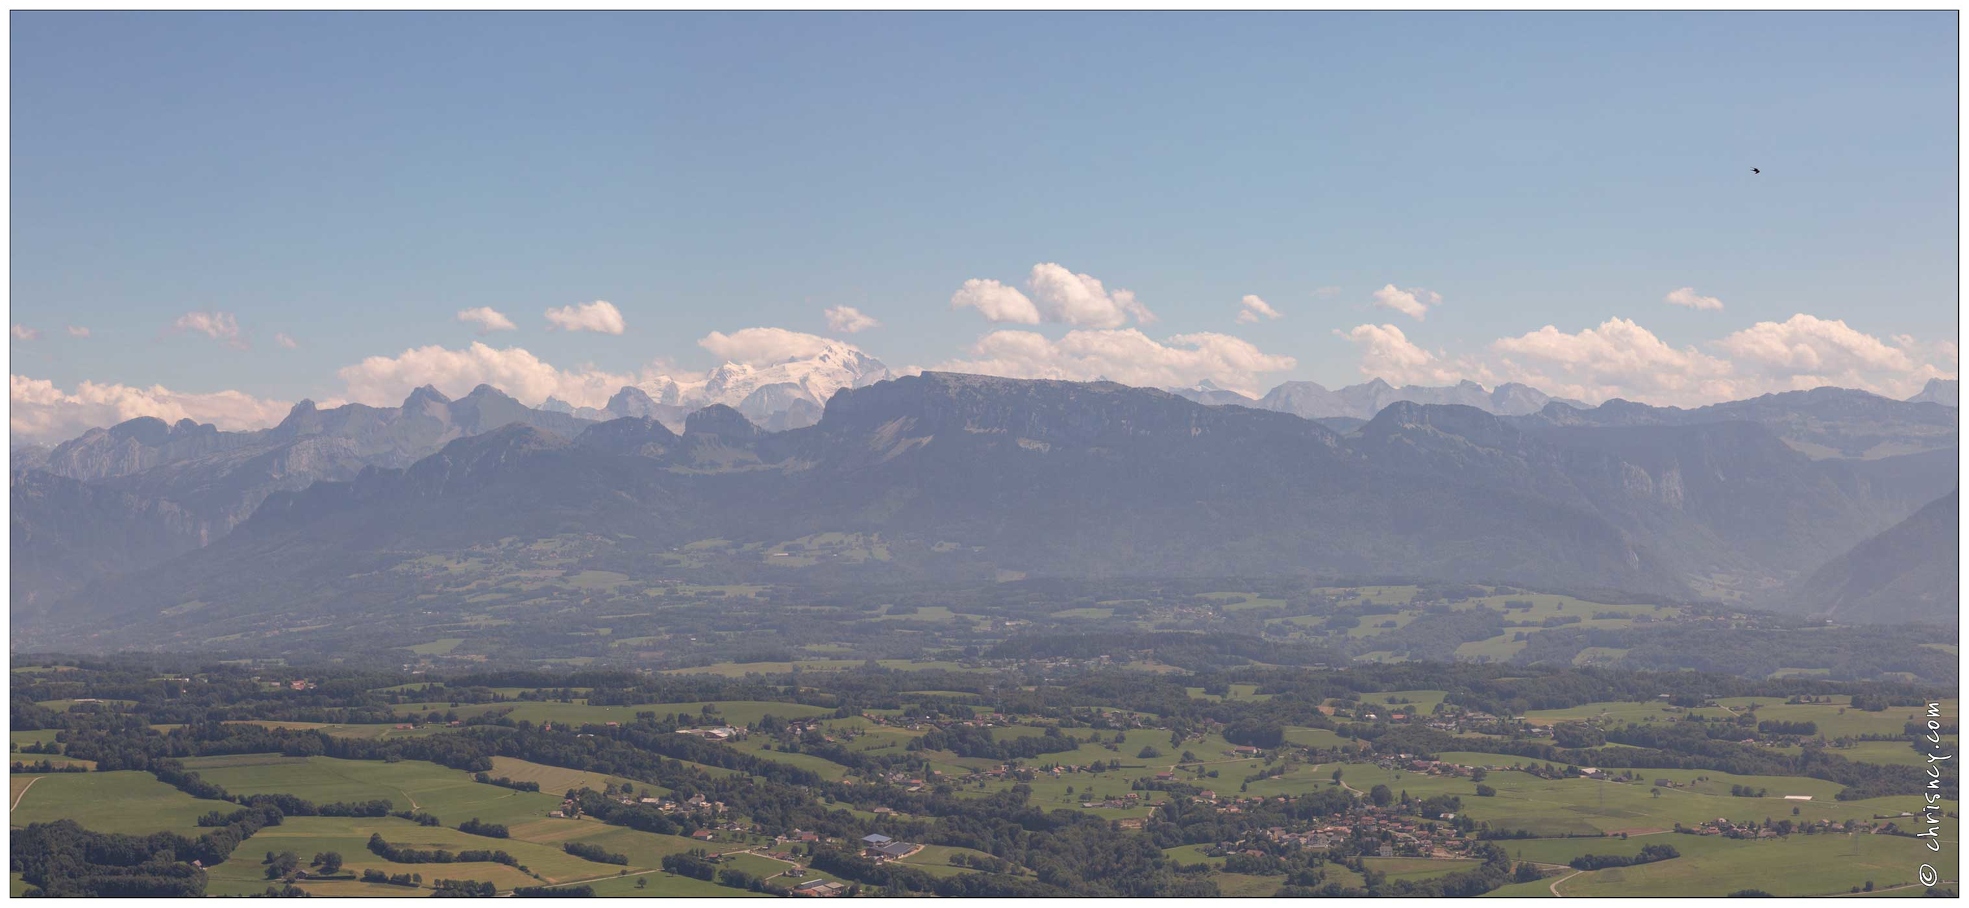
(132, 802)
(668, 885)
(1799, 865)
(735, 712)
(349, 836)
(1558, 807)
(410, 784)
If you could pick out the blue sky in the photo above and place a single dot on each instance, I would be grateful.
(354, 180)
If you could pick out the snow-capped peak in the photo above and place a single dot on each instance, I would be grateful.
(812, 376)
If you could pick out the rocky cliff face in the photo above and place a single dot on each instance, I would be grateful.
(1363, 401)
(1910, 572)
(1823, 423)
(1938, 391)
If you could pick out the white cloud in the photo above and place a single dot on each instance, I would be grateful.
(1062, 296)
(1619, 358)
(385, 381)
(1127, 356)
(490, 319)
(77, 331)
(282, 339)
(849, 320)
(220, 326)
(599, 316)
(1251, 309)
(45, 414)
(1805, 351)
(1688, 298)
(24, 333)
(1806, 345)
(1413, 302)
(1387, 353)
(995, 301)
(764, 346)
(1080, 299)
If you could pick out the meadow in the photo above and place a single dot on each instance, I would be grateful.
(130, 802)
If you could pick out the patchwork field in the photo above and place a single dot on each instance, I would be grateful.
(735, 712)
(131, 802)
(1799, 865)
(411, 784)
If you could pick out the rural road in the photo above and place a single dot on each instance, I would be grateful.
(1555, 883)
(23, 794)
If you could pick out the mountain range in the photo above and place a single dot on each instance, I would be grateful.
(1907, 573)
(784, 394)
(162, 528)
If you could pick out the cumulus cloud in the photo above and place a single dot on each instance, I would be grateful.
(1387, 353)
(1620, 358)
(1081, 300)
(995, 301)
(77, 331)
(282, 339)
(849, 320)
(45, 414)
(599, 316)
(490, 319)
(24, 333)
(1251, 309)
(219, 326)
(1413, 302)
(1688, 298)
(1127, 356)
(1806, 345)
(1058, 295)
(386, 380)
(764, 346)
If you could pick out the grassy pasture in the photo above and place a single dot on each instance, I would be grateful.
(344, 731)
(125, 801)
(828, 769)
(349, 836)
(556, 780)
(1892, 753)
(1796, 866)
(735, 712)
(62, 706)
(410, 784)
(1317, 737)
(668, 885)
(1558, 807)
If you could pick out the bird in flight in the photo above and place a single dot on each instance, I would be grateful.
(1755, 170)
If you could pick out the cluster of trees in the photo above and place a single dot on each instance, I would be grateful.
(401, 855)
(1774, 727)
(1255, 733)
(583, 891)
(372, 875)
(44, 766)
(694, 864)
(972, 741)
(1745, 791)
(504, 782)
(489, 830)
(464, 889)
(62, 859)
(595, 853)
(1648, 855)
